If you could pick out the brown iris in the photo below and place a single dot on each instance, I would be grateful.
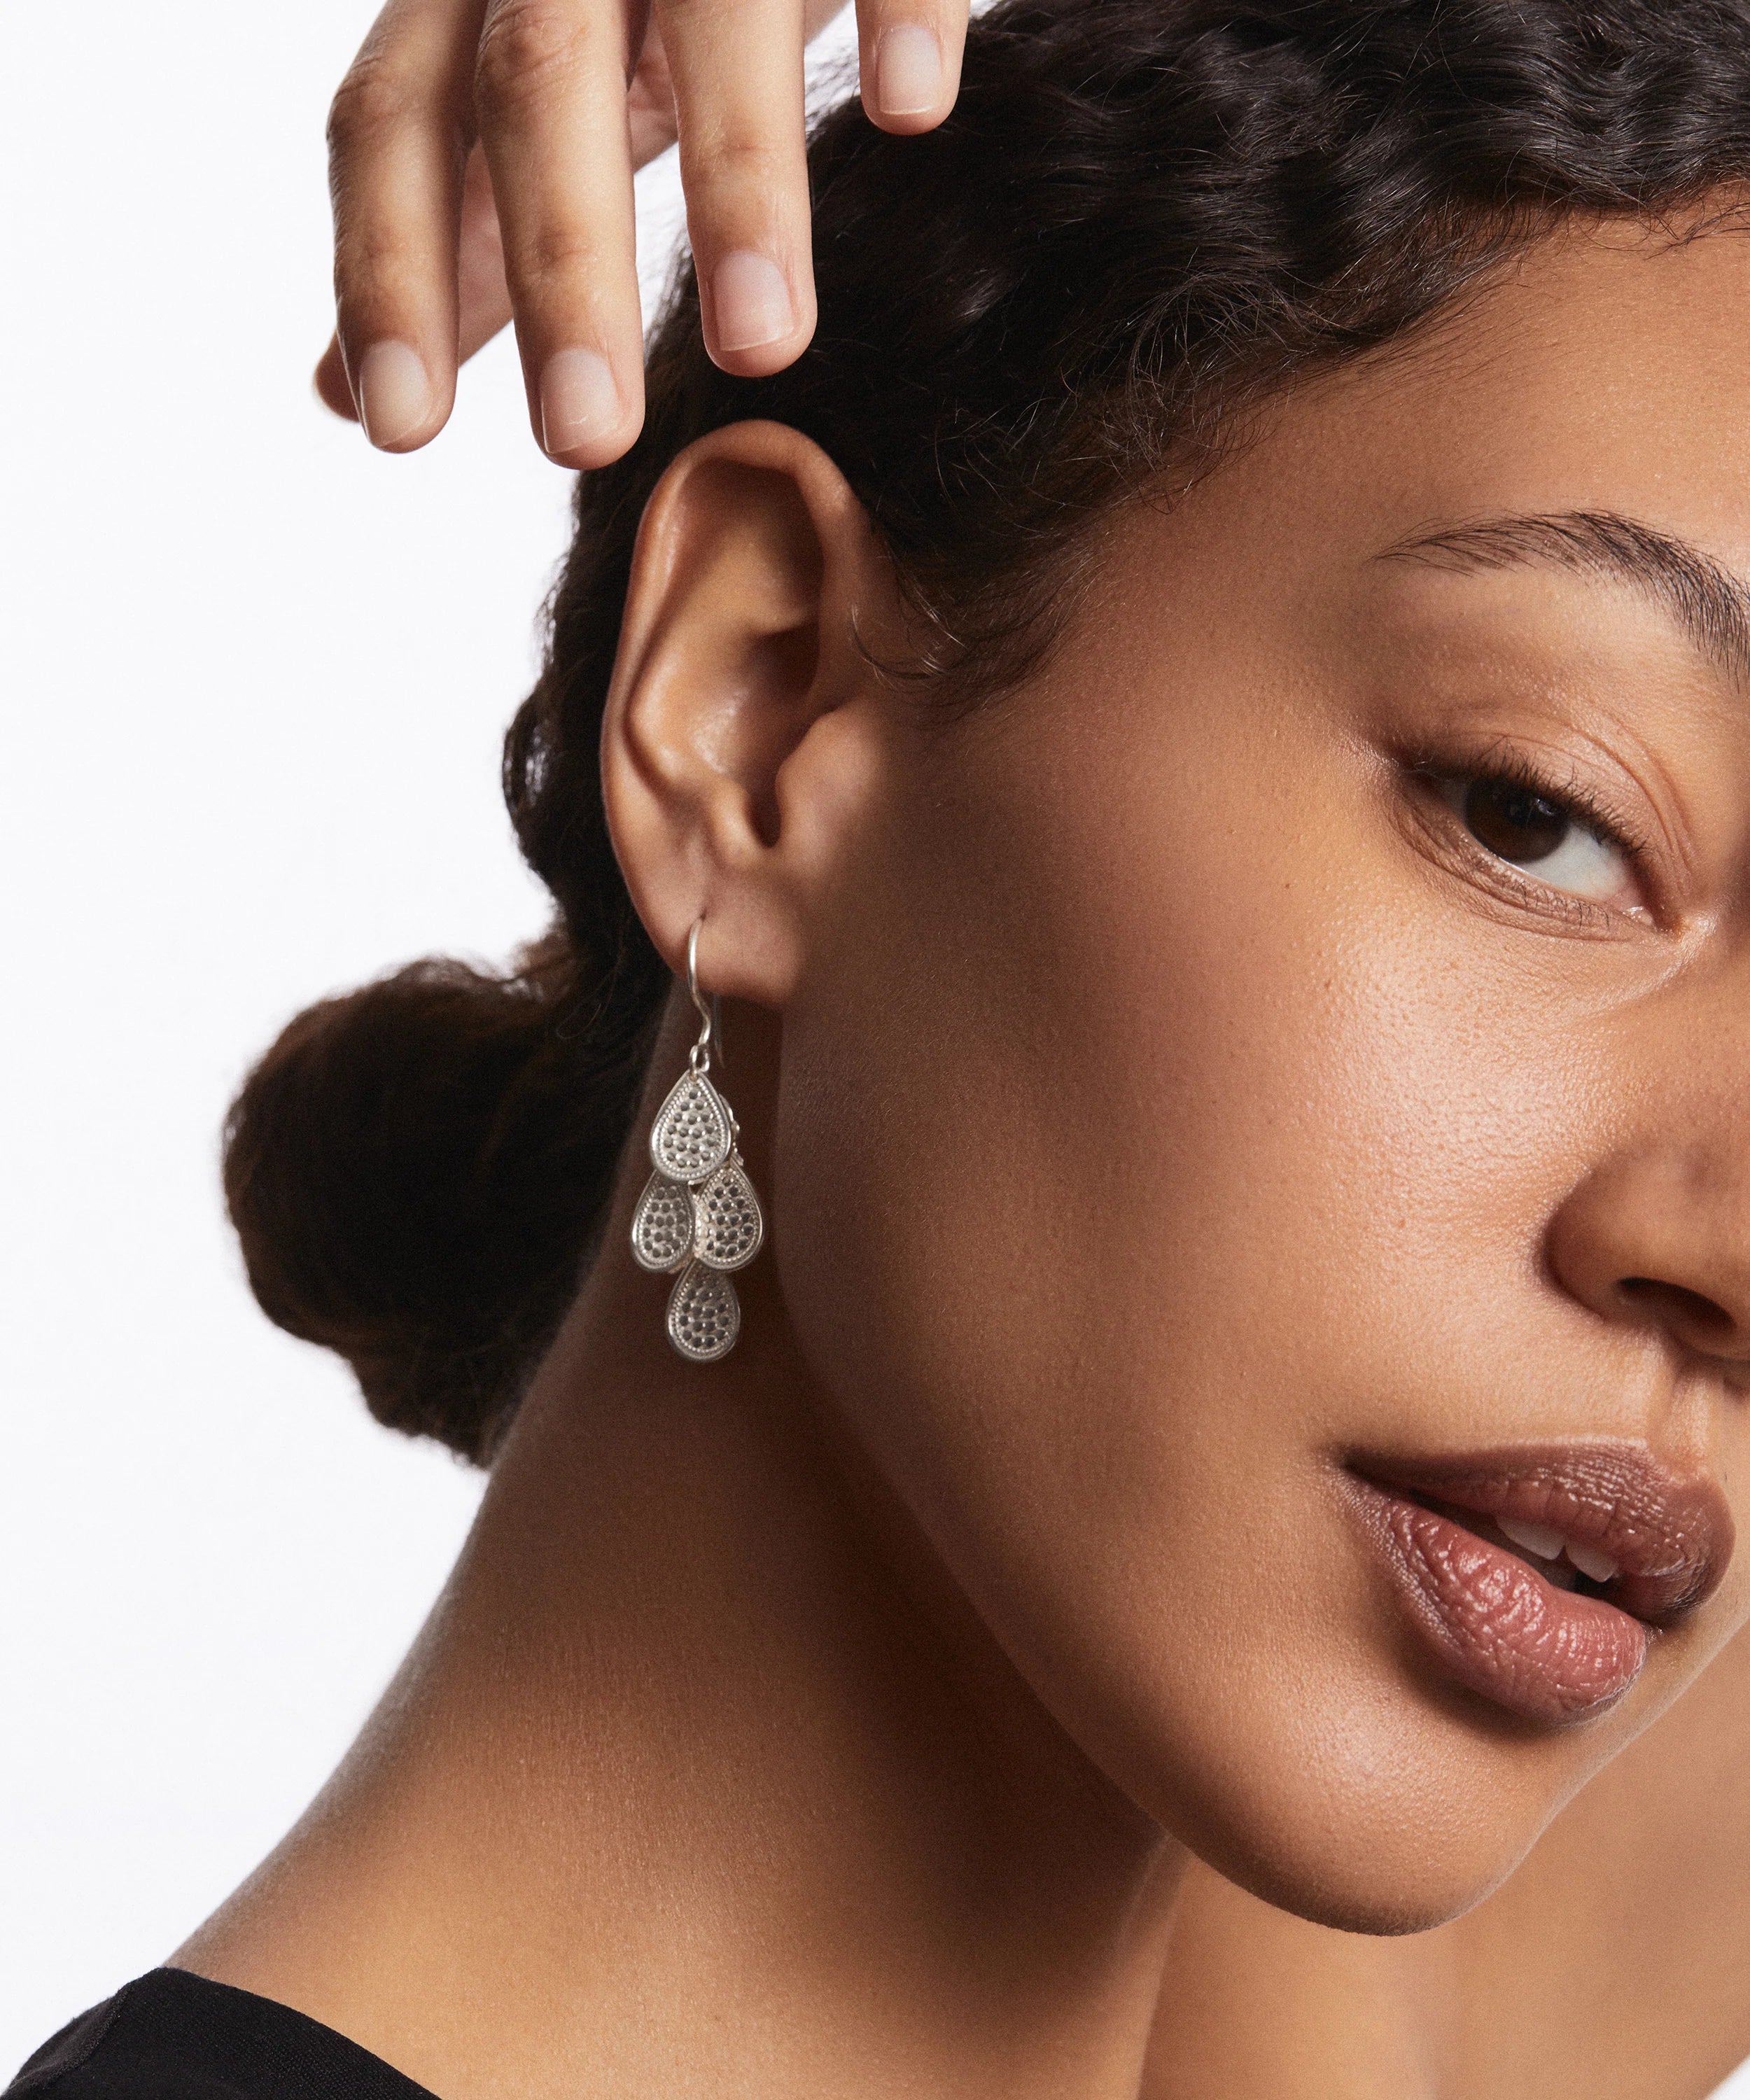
(1514, 822)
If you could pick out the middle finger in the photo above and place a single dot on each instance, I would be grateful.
(737, 67)
(550, 93)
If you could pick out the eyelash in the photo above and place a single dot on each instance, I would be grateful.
(1576, 799)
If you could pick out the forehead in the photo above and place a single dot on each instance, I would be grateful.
(1609, 371)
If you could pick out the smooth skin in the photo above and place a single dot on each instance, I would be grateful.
(481, 158)
(1611, 1966)
(1160, 1096)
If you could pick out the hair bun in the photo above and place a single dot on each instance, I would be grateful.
(415, 1170)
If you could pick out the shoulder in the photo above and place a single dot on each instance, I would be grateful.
(173, 2035)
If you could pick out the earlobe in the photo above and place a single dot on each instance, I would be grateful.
(754, 576)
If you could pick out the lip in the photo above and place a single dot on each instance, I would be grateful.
(1496, 1625)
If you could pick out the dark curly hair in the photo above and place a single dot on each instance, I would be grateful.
(1142, 216)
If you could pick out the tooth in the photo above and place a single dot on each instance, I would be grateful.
(1590, 1561)
(1536, 1538)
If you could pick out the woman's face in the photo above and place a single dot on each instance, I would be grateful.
(1265, 1118)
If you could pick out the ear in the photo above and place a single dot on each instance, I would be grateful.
(732, 761)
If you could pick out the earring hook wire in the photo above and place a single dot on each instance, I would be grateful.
(709, 1013)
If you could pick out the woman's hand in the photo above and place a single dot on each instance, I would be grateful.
(481, 158)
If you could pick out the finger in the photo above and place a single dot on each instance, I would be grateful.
(483, 300)
(651, 102)
(483, 296)
(908, 57)
(334, 390)
(737, 66)
(397, 137)
(550, 93)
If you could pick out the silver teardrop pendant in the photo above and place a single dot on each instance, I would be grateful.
(690, 1137)
(704, 1314)
(730, 1224)
(663, 1226)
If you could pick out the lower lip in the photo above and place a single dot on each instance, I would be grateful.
(1493, 1624)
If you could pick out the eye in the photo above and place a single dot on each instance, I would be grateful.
(1520, 824)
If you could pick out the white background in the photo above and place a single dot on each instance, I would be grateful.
(253, 681)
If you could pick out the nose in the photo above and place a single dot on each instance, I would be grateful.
(1661, 1238)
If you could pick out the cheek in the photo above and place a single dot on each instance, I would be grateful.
(1139, 1153)
(1147, 1071)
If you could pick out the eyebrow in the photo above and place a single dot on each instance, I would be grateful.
(1707, 600)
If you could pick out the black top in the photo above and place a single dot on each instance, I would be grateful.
(170, 2035)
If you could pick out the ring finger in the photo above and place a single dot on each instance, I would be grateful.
(908, 57)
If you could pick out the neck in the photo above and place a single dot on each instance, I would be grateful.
(700, 1779)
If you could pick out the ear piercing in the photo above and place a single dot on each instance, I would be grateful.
(699, 1214)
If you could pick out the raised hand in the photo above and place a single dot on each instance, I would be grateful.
(481, 154)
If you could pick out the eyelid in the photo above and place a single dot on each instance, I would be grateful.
(1576, 798)
(1579, 799)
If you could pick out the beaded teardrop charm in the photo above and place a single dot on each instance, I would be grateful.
(698, 1213)
(663, 1228)
(730, 1224)
(704, 1314)
(690, 1138)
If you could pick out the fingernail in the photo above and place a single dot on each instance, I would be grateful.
(750, 301)
(395, 395)
(908, 70)
(578, 399)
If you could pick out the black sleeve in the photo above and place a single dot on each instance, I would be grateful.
(171, 2035)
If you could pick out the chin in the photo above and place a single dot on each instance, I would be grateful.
(1357, 1883)
(1361, 1902)
(1387, 1807)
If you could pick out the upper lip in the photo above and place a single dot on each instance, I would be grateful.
(1671, 1533)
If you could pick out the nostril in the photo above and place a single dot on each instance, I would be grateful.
(1693, 1318)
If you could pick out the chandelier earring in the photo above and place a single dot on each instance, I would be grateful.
(698, 1217)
